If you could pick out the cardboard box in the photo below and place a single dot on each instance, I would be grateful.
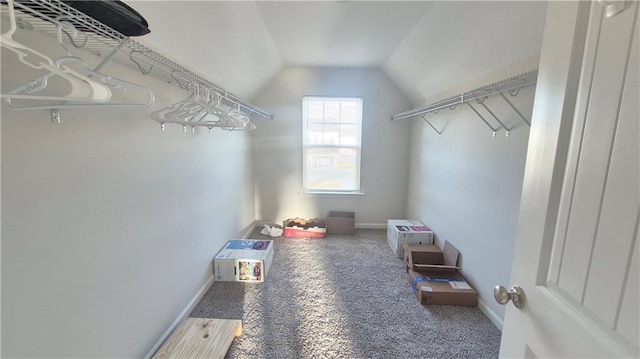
(298, 232)
(429, 257)
(446, 291)
(421, 254)
(435, 279)
(407, 231)
(302, 228)
(443, 288)
(414, 278)
(243, 260)
(341, 223)
(417, 277)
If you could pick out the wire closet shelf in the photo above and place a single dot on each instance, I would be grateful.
(46, 16)
(510, 86)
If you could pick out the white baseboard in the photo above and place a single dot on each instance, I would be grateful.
(371, 225)
(246, 232)
(493, 317)
(258, 224)
(185, 312)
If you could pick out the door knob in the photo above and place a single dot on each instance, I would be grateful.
(515, 295)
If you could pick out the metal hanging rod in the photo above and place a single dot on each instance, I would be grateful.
(93, 36)
(511, 85)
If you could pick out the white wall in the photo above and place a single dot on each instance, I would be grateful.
(456, 41)
(466, 184)
(109, 225)
(226, 41)
(278, 146)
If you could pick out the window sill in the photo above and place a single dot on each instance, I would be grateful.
(330, 193)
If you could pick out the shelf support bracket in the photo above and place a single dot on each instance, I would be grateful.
(424, 117)
(507, 130)
(108, 57)
(483, 119)
(514, 108)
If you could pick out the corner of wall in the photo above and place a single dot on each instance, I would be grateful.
(244, 233)
(183, 314)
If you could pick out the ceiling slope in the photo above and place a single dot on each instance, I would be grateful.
(226, 41)
(339, 34)
(456, 42)
(424, 47)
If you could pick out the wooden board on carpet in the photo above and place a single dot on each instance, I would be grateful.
(201, 338)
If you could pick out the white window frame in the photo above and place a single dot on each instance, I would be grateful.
(305, 145)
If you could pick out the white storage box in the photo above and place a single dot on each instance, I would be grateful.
(409, 231)
(243, 260)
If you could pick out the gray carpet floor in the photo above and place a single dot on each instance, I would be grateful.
(343, 297)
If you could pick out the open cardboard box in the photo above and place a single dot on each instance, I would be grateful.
(422, 257)
(341, 223)
(302, 228)
(421, 253)
(434, 275)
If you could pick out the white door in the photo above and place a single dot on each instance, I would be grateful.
(577, 251)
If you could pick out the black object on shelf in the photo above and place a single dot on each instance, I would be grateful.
(115, 14)
(112, 13)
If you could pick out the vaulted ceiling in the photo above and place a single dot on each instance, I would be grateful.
(424, 47)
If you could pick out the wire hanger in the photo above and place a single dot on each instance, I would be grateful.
(99, 39)
(203, 108)
(82, 87)
(108, 83)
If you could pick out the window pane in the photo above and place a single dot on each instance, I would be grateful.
(332, 111)
(331, 169)
(315, 111)
(349, 112)
(315, 134)
(331, 135)
(349, 135)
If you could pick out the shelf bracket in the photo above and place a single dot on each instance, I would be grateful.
(424, 117)
(483, 119)
(108, 57)
(514, 108)
(507, 130)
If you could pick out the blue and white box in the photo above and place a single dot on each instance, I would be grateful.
(243, 260)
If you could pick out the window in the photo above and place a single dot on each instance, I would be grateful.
(331, 144)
